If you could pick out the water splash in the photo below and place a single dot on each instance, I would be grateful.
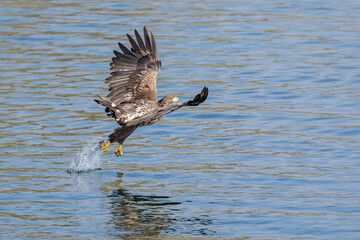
(88, 158)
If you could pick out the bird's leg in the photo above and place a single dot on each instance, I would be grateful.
(118, 151)
(106, 145)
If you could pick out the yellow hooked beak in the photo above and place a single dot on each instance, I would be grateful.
(175, 99)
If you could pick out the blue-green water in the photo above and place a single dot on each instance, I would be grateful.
(272, 154)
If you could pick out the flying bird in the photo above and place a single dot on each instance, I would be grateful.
(132, 100)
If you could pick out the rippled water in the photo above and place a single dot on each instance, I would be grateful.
(272, 154)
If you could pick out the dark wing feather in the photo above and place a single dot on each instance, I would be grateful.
(141, 43)
(147, 40)
(155, 116)
(134, 71)
(153, 45)
(200, 98)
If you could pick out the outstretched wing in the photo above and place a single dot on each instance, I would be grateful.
(151, 117)
(134, 71)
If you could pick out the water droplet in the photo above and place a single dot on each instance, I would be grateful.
(88, 158)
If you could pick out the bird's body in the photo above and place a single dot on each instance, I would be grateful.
(132, 100)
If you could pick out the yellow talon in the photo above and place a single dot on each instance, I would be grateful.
(106, 145)
(118, 151)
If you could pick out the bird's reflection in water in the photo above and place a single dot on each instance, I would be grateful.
(142, 216)
(138, 216)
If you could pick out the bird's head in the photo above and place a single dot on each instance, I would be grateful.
(167, 100)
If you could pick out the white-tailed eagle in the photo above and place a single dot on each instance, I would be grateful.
(132, 100)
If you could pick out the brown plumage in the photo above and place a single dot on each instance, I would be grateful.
(132, 100)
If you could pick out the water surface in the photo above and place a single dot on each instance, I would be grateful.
(272, 154)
